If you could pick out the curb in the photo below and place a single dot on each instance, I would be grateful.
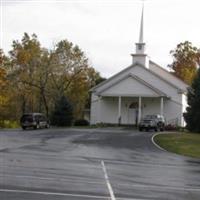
(152, 140)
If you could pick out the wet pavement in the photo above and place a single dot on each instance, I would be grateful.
(96, 164)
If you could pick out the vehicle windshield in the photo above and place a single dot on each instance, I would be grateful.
(27, 117)
(150, 117)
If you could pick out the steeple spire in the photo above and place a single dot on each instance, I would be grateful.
(141, 26)
(140, 46)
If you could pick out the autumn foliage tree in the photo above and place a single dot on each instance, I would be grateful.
(4, 85)
(186, 60)
(2, 70)
(29, 73)
(70, 71)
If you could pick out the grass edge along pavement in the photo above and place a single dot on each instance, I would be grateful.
(187, 144)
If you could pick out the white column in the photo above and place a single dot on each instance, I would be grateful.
(98, 113)
(119, 109)
(161, 106)
(139, 109)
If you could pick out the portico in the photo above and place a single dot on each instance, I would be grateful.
(138, 109)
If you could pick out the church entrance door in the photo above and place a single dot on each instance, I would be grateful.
(133, 113)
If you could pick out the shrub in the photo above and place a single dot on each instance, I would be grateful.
(170, 127)
(9, 124)
(81, 122)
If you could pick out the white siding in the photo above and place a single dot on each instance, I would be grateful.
(95, 109)
(173, 112)
(109, 110)
(129, 87)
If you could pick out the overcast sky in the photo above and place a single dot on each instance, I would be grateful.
(105, 29)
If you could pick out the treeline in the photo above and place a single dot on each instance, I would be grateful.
(33, 78)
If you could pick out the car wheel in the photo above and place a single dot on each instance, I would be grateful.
(24, 127)
(47, 126)
(36, 126)
(140, 129)
(163, 127)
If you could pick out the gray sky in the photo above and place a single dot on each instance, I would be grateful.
(106, 30)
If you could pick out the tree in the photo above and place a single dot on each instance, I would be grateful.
(30, 70)
(94, 79)
(3, 84)
(4, 87)
(63, 113)
(192, 116)
(3, 81)
(70, 75)
(186, 60)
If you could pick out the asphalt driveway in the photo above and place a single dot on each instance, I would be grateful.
(84, 164)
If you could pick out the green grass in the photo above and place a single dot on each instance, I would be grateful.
(187, 144)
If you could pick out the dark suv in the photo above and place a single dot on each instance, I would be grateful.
(155, 122)
(34, 120)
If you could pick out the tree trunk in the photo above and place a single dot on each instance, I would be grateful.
(45, 102)
(23, 106)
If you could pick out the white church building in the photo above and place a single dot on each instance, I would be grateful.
(140, 89)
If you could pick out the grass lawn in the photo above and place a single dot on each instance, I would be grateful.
(187, 144)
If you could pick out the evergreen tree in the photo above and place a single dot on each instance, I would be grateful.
(192, 116)
(63, 113)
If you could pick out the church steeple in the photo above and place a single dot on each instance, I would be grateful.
(140, 46)
(140, 56)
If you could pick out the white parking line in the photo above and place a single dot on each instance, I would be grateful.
(53, 193)
(160, 187)
(107, 181)
(137, 163)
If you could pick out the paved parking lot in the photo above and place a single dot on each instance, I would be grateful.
(96, 164)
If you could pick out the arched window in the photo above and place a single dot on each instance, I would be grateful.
(133, 105)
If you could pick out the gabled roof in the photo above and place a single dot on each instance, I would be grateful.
(157, 65)
(112, 77)
(131, 66)
(154, 91)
